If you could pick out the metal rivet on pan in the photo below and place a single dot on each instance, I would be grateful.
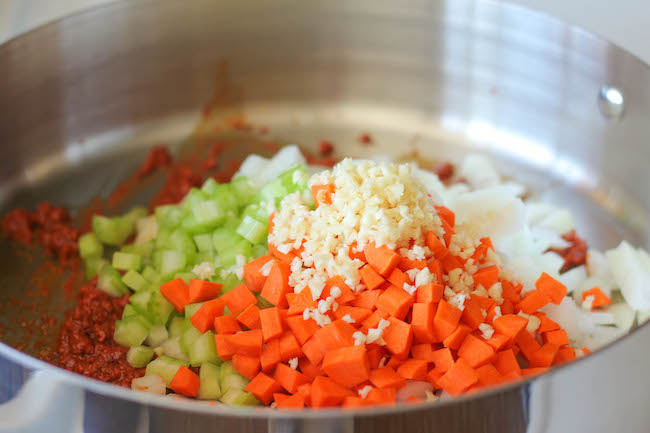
(611, 102)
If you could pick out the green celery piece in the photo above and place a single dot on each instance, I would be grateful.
(112, 231)
(129, 311)
(203, 242)
(188, 338)
(143, 249)
(90, 246)
(190, 309)
(178, 325)
(243, 189)
(159, 308)
(210, 186)
(203, 350)
(139, 356)
(172, 261)
(131, 331)
(157, 335)
(252, 230)
(166, 367)
(94, 265)
(209, 377)
(238, 397)
(135, 281)
(141, 301)
(168, 216)
(224, 238)
(110, 281)
(150, 274)
(229, 257)
(127, 261)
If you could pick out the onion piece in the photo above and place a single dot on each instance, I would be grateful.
(153, 384)
(414, 388)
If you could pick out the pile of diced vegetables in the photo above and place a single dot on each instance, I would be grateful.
(441, 318)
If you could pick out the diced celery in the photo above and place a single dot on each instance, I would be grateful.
(181, 241)
(191, 225)
(230, 379)
(172, 261)
(295, 179)
(262, 303)
(193, 197)
(177, 326)
(204, 349)
(209, 213)
(243, 189)
(94, 265)
(172, 347)
(135, 214)
(127, 261)
(188, 338)
(230, 282)
(209, 187)
(142, 249)
(157, 335)
(131, 331)
(162, 240)
(273, 191)
(159, 308)
(242, 248)
(90, 246)
(166, 367)
(135, 281)
(227, 199)
(238, 397)
(223, 239)
(150, 274)
(252, 230)
(168, 216)
(209, 377)
(129, 311)
(190, 309)
(260, 249)
(139, 356)
(185, 276)
(112, 231)
(203, 242)
(141, 301)
(110, 281)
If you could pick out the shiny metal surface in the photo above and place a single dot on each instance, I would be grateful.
(439, 78)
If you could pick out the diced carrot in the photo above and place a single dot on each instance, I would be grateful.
(475, 351)
(263, 387)
(424, 351)
(398, 278)
(558, 337)
(314, 350)
(200, 290)
(510, 325)
(326, 393)
(284, 401)
(507, 308)
(449, 231)
(436, 246)
(370, 277)
(450, 262)
(238, 299)
(322, 194)
(308, 369)
(284, 259)
(422, 323)
(533, 301)
(250, 317)
(565, 354)
(247, 366)
(203, 319)
(600, 298)
(247, 342)
(185, 382)
(485, 302)
(458, 378)
(499, 341)
(366, 299)
(289, 378)
(301, 328)
(398, 337)
(446, 319)
(586, 351)
(270, 356)
(511, 377)
(277, 286)
(386, 377)
(252, 277)
(382, 396)
(429, 293)
(226, 325)
(434, 376)
(336, 334)
(357, 314)
(373, 320)
(544, 356)
(299, 302)
(552, 288)
(486, 277)
(435, 267)
(447, 215)
(354, 254)
(505, 362)
(407, 264)
(533, 371)
(527, 343)
(352, 401)
(472, 315)
(177, 293)
(456, 338)
(225, 350)
(271, 322)
(546, 324)
(509, 292)
(413, 369)
(382, 259)
(488, 375)
(442, 360)
(289, 347)
(347, 366)
(305, 392)
(375, 355)
(394, 362)
(347, 294)
(395, 301)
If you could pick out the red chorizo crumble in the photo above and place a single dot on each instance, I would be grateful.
(575, 254)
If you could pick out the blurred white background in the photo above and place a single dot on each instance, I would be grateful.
(624, 22)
